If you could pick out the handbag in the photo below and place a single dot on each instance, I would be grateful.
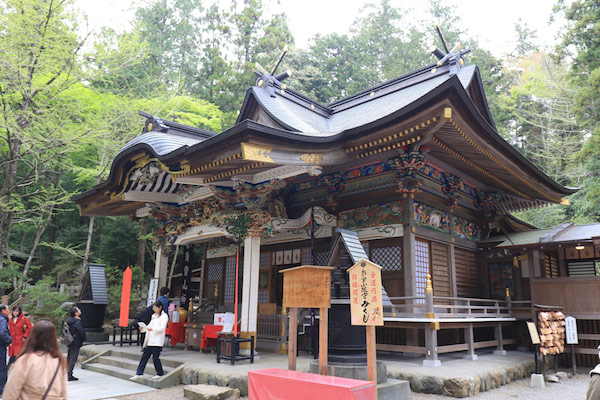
(66, 337)
(52, 381)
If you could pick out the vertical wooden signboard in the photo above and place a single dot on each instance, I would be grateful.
(307, 286)
(366, 306)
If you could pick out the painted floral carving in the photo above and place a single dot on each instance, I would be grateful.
(431, 217)
(450, 188)
(375, 215)
(147, 174)
(466, 229)
(407, 167)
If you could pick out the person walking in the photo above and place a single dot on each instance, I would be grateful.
(5, 341)
(164, 291)
(19, 327)
(40, 369)
(154, 341)
(78, 333)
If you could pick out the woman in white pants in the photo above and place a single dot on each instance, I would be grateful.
(154, 342)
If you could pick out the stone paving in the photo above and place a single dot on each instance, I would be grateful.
(92, 385)
(456, 377)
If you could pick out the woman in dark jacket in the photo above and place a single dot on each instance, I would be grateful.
(78, 333)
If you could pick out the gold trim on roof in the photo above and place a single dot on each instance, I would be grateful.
(233, 172)
(501, 164)
(478, 168)
(254, 152)
(394, 137)
(211, 165)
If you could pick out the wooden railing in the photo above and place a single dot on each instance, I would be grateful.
(447, 307)
(269, 326)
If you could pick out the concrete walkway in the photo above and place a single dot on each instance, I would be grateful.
(92, 385)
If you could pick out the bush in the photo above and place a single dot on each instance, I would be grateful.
(45, 302)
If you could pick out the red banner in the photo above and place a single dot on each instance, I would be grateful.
(125, 297)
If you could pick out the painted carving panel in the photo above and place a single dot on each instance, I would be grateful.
(377, 214)
(431, 217)
(466, 229)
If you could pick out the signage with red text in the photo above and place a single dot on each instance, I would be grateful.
(366, 305)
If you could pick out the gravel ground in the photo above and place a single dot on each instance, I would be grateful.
(573, 388)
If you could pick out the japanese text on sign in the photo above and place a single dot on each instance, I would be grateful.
(366, 306)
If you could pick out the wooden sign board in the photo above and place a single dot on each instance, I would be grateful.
(366, 304)
(307, 286)
(533, 333)
(571, 330)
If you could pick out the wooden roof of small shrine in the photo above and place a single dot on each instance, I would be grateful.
(280, 134)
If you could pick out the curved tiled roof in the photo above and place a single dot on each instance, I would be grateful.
(163, 142)
(295, 116)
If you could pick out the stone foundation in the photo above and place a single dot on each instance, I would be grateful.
(466, 386)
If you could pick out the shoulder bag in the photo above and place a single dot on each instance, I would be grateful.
(52, 381)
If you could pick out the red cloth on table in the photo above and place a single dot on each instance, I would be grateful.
(177, 332)
(278, 384)
(210, 333)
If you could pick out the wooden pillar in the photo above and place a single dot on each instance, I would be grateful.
(533, 260)
(431, 356)
(161, 267)
(517, 280)
(470, 339)
(371, 353)
(409, 261)
(452, 258)
(562, 264)
(498, 333)
(293, 338)
(323, 345)
(250, 287)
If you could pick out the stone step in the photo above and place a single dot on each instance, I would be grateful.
(394, 389)
(137, 355)
(131, 365)
(210, 392)
(171, 378)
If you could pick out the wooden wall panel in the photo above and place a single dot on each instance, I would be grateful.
(468, 274)
(440, 269)
(578, 295)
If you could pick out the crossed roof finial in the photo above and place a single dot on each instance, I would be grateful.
(453, 57)
(267, 79)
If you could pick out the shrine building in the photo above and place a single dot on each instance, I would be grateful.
(414, 166)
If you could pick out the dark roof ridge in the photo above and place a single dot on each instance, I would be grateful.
(203, 133)
(387, 83)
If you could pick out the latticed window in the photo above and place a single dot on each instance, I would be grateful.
(306, 256)
(263, 296)
(229, 290)
(215, 271)
(321, 257)
(265, 260)
(422, 256)
(388, 258)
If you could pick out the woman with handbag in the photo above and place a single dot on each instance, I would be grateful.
(19, 327)
(40, 371)
(154, 341)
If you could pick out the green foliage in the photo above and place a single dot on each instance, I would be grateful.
(114, 284)
(47, 303)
